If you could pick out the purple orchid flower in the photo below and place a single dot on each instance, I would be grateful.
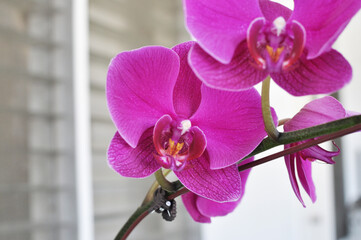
(166, 118)
(242, 42)
(202, 209)
(317, 112)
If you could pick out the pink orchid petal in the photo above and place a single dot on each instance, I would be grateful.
(316, 152)
(219, 26)
(190, 203)
(324, 21)
(325, 74)
(211, 208)
(133, 162)
(187, 90)
(232, 123)
(351, 113)
(160, 125)
(139, 89)
(272, 10)
(290, 164)
(222, 185)
(317, 112)
(299, 42)
(253, 45)
(198, 145)
(241, 73)
(304, 170)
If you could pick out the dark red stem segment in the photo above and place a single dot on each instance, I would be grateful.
(178, 193)
(300, 147)
(133, 221)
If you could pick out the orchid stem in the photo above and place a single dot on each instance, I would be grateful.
(307, 133)
(300, 147)
(133, 221)
(323, 132)
(163, 182)
(266, 111)
(149, 196)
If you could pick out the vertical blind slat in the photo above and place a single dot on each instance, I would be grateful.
(36, 174)
(117, 26)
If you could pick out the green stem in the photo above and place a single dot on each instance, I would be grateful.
(163, 182)
(300, 147)
(307, 133)
(266, 111)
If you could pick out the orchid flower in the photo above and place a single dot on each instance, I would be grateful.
(317, 112)
(241, 42)
(202, 209)
(165, 117)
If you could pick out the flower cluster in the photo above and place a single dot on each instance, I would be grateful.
(193, 109)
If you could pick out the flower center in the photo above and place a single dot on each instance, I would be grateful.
(173, 149)
(275, 46)
(174, 141)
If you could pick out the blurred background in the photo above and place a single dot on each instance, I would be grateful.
(55, 128)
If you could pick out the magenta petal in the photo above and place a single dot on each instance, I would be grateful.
(252, 42)
(232, 123)
(160, 125)
(139, 89)
(219, 26)
(198, 144)
(190, 202)
(304, 170)
(272, 10)
(211, 208)
(324, 20)
(222, 185)
(133, 162)
(325, 74)
(187, 90)
(351, 113)
(290, 164)
(299, 42)
(317, 112)
(316, 152)
(240, 73)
